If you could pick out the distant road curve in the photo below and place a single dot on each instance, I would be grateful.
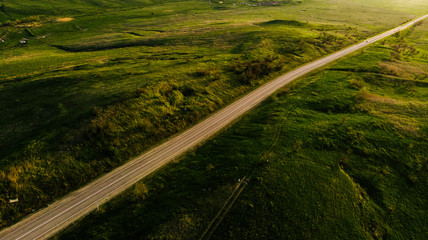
(57, 216)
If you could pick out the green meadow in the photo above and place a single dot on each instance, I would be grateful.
(339, 154)
(95, 83)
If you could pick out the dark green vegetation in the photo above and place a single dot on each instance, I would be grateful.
(98, 82)
(340, 154)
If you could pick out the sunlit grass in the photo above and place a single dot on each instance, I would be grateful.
(340, 154)
(98, 82)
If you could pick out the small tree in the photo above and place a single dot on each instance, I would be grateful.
(140, 191)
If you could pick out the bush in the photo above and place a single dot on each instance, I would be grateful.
(140, 191)
(258, 62)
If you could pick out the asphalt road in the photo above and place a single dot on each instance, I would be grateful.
(57, 216)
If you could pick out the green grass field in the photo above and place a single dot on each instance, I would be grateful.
(340, 154)
(98, 82)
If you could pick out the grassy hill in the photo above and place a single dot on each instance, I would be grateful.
(11, 10)
(98, 82)
(340, 154)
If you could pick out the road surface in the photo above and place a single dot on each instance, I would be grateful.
(57, 216)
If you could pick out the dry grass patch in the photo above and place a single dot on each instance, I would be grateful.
(24, 57)
(366, 95)
(405, 69)
(29, 25)
(65, 19)
(405, 125)
(395, 111)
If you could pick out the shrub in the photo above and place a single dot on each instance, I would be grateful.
(356, 83)
(140, 191)
(258, 62)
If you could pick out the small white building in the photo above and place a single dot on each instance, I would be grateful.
(23, 41)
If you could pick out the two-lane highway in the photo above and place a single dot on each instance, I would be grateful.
(50, 220)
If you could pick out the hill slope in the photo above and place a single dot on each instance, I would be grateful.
(341, 154)
(98, 82)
